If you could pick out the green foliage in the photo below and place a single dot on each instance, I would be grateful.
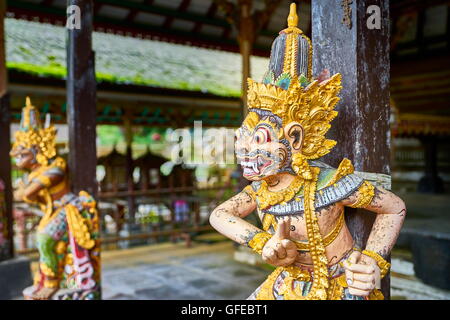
(54, 71)
(109, 135)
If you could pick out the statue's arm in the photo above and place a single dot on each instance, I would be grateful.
(227, 218)
(31, 191)
(364, 270)
(19, 191)
(391, 212)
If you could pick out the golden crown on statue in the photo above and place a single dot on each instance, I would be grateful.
(293, 95)
(31, 134)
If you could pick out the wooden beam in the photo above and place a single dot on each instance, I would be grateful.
(184, 4)
(133, 12)
(5, 145)
(57, 15)
(81, 102)
(226, 33)
(435, 106)
(399, 7)
(262, 17)
(427, 93)
(210, 14)
(97, 8)
(165, 12)
(422, 66)
(361, 129)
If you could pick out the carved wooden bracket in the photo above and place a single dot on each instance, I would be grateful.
(241, 17)
(347, 18)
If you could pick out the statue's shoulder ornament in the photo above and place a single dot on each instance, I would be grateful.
(345, 168)
(252, 188)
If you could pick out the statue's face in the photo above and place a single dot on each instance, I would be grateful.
(259, 149)
(25, 158)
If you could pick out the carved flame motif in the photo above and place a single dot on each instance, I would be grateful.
(32, 134)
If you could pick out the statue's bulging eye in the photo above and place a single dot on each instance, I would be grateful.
(262, 135)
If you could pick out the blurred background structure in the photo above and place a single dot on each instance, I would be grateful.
(139, 69)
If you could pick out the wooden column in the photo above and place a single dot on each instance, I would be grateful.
(5, 141)
(129, 164)
(430, 182)
(81, 102)
(247, 23)
(343, 43)
(246, 39)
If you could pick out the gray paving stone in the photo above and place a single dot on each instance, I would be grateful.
(212, 276)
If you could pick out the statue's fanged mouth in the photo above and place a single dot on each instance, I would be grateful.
(255, 166)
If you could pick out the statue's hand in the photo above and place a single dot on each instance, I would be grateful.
(279, 250)
(19, 191)
(18, 195)
(362, 274)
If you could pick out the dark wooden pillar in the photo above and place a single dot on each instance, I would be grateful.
(81, 102)
(6, 221)
(430, 182)
(246, 39)
(248, 23)
(344, 43)
(129, 165)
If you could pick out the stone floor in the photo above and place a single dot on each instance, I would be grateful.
(172, 271)
(405, 286)
(427, 213)
(201, 272)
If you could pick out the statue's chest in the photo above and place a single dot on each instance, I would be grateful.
(323, 214)
(330, 220)
(322, 198)
(325, 205)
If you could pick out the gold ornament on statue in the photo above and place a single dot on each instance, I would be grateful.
(311, 105)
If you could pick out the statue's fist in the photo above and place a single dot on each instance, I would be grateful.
(279, 250)
(362, 274)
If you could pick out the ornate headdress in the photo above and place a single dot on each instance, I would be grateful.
(289, 91)
(31, 134)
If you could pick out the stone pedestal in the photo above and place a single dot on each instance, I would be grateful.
(65, 294)
(15, 275)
